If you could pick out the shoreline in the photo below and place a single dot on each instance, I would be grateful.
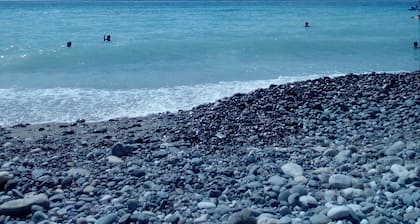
(321, 150)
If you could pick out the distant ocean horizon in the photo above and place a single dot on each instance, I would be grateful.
(169, 55)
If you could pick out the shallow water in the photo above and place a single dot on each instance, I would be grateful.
(170, 55)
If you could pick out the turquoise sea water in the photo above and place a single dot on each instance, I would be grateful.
(170, 55)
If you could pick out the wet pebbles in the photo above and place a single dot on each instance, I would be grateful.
(329, 150)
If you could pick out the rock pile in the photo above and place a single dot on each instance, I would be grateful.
(329, 150)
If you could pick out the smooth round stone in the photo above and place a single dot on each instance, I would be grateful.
(22, 207)
(268, 220)
(389, 160)
(299, 189)
(214, 193)
(114, 159)
(339, 181)
(351, 193)
(206, 205)
(330, 153)
(39, 216)
(292, 169)
(308, 201)
(132, 204)
(121, 150)
(400, 171)
(136, 171)
(75, 172)
(301, 179)
(392, 150)
(277, 180)
(319, 219)
(242, 217)
(4, 177)
(88, 189)
(201, 219)
(340, 212)
(107, 219)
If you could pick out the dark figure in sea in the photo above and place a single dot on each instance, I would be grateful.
(415, 44)
(107, 38)
(69, 44)
(306, 24)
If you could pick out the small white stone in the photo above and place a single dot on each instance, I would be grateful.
(292, 169)
(206, 205)
(201, 219)
(400, 171)
(114, 159)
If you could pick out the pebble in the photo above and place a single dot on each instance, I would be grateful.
(308, 201)
(319, 219)
(121, 150)
(292, 169)
(107, 219)
(341, 212)
(339, 181)
(277, 180)
(206, 205)
(242, 217)
(400, 171)
(395, 148)
(114, 159)
(22, 207)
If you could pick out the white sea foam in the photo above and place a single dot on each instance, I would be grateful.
(66, 105)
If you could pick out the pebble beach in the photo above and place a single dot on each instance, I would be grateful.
(328, 150)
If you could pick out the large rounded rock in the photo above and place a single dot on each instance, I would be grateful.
(342, 212)
(292, 169)
(121, 150)
(395, 148)
(339, 181)
(22, 207)
(4, 177)
(242, 217)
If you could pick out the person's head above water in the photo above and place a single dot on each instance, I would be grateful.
(107, 37)
(415, 44)
(69, 44)
(306, 24)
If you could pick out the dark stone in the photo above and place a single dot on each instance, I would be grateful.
(132, 204)
(121, 150)
(107, 219)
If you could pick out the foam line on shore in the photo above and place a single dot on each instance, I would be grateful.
(67, 104)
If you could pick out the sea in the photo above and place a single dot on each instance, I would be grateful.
(170, 55)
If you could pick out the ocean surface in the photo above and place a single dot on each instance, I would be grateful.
(176, 54)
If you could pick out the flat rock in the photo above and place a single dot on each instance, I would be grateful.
(74, 172)
(400, 171)
(292, 169)
(339, 181)
(121, 150)
(4, 177)
(341, 212)
(206, 205)
(268, 220)
(107, 219)
(308, 201)
(277, 180)
(242, 217)
(114, 159)
(319, 219)
(390, 160)
(22, 207)
(395, 148)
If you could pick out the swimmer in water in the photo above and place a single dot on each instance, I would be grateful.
(307, 24)
(415, 44)
(69, 44)
(107, 38)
